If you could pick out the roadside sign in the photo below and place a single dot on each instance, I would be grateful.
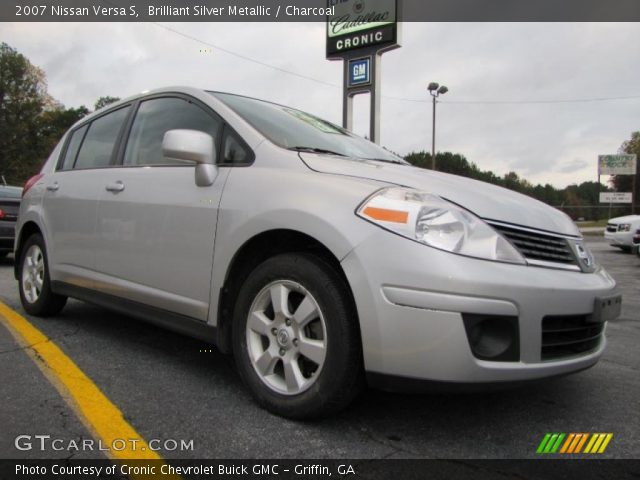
(358, 24)
(359, 72)
(618, 164)
(615, 197)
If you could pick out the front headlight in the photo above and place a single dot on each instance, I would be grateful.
(430, 220)
(624, 227)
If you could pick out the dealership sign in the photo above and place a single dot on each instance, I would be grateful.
(615, 197)
(357, 24)
(619, 164)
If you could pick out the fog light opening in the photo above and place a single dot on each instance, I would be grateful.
(493, 338)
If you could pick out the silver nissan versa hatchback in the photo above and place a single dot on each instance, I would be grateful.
(322, 261)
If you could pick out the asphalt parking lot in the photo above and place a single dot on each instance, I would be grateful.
(168, 387)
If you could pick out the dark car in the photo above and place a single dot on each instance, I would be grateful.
(635, 247)
(9, 205)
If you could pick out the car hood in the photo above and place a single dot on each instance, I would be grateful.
(625, 219)
(485, 200)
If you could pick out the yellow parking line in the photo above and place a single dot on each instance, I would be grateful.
(101, 417)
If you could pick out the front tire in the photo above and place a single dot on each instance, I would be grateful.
(296, 339)
(34, 284)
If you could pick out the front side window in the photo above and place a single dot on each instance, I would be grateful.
(97, 147)
(157, 116)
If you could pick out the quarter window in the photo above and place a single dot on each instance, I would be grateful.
(74, 146)
(233, 152)
(157, 116)
(99, 141)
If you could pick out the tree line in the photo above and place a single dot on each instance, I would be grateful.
(32, 122)
(579, 201)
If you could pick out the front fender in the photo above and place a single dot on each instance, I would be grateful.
(258, 200)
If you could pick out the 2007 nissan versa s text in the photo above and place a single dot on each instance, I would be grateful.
(322, 261)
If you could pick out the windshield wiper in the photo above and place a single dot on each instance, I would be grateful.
(385, 160)
(316, 150)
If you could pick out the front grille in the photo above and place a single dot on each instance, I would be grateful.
(538, 246)
(611, 227)
(568, 336)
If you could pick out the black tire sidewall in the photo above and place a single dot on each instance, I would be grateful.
(48, 303)
(340, 378)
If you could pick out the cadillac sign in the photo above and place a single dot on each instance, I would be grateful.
(359, 24)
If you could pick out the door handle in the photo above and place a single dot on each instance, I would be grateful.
(53, 187)
(115, 187)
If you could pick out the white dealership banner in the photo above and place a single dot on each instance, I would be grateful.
(615, 197)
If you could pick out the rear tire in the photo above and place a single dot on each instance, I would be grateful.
(296, 339)
(34, 282)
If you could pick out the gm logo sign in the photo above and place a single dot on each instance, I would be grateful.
(360, 72)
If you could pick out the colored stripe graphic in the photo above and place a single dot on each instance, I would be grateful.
(594, 437)
(567, 443)
(581, 443)
(558, 442)
(607, 439)
(550, 443)
(598, 443)
(543, 443)
(573, 443)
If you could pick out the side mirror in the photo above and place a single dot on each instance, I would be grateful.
(192, 146)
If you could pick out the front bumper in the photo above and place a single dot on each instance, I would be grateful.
(619, 239)
(7, 236)
(411, 297)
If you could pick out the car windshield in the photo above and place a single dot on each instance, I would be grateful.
(10, 192)
(297, 130)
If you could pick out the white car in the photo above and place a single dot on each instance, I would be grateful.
(620, 231)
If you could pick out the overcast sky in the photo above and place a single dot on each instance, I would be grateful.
(556, 143)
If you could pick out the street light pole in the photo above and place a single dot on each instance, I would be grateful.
(435, 90)
(433, 135)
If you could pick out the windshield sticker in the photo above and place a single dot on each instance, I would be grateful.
(313, 121)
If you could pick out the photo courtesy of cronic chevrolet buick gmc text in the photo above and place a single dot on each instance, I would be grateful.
(322, 261)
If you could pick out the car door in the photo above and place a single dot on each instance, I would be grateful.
(71, 197)
(156, 228)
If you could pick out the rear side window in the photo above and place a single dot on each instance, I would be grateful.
(72, 149)
(157, 116)
(97, 147)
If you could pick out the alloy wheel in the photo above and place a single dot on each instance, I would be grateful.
(286, 337)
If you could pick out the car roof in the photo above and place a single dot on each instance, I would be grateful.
(626, 218)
